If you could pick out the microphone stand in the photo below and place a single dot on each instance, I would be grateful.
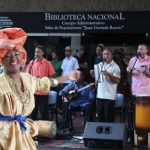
(98, 79)
(32, 64)
(134, 65)
(96, 85)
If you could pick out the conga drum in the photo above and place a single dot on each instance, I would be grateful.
(142, 115)
(47, 128)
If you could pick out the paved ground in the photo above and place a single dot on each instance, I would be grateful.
(74, 142)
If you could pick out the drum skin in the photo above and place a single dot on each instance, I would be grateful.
(47, 128)
(142, 119)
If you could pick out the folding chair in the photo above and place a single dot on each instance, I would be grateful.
(52, 103)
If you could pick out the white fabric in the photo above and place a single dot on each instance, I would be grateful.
(68, 65)
(106, 88)
(96, 72)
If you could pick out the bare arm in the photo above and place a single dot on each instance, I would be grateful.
(73, 75)
(128, 69)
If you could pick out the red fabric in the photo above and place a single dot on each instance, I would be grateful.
(42, 68)
(10, 39)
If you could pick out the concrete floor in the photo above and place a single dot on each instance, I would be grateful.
(67, 142)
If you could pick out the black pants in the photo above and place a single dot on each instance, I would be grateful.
(41, 104)
(105, 110)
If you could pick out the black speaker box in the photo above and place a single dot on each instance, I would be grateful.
(100, 134)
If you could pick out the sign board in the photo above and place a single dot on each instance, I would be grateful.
(78, 22)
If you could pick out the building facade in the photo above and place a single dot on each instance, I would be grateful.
(56, 24)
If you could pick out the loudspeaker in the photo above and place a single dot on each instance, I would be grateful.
(100, 134)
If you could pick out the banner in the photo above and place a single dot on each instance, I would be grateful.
(78, 22)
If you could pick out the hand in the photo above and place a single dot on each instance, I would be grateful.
(105, 73)
(146, 73)
(128, 69)
(92, 85)
(141, 69)
(74, 75)
(92, 73)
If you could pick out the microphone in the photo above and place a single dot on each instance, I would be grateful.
(35, 57)
(104, 59)
(138, 54)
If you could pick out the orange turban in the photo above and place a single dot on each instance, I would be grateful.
(10, 39)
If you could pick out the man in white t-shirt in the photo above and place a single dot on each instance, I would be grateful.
(69, 63)
(109, 77)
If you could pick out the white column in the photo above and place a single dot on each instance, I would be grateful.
(75, 43)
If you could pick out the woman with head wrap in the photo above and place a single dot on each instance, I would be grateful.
(17, 92)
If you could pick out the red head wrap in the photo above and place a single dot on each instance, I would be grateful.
(10, 39)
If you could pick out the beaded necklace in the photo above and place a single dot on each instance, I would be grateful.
(23, 96)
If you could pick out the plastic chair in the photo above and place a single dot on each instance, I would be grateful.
(119, 105)
(52, 103)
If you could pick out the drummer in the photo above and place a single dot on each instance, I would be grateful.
(139, 67)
